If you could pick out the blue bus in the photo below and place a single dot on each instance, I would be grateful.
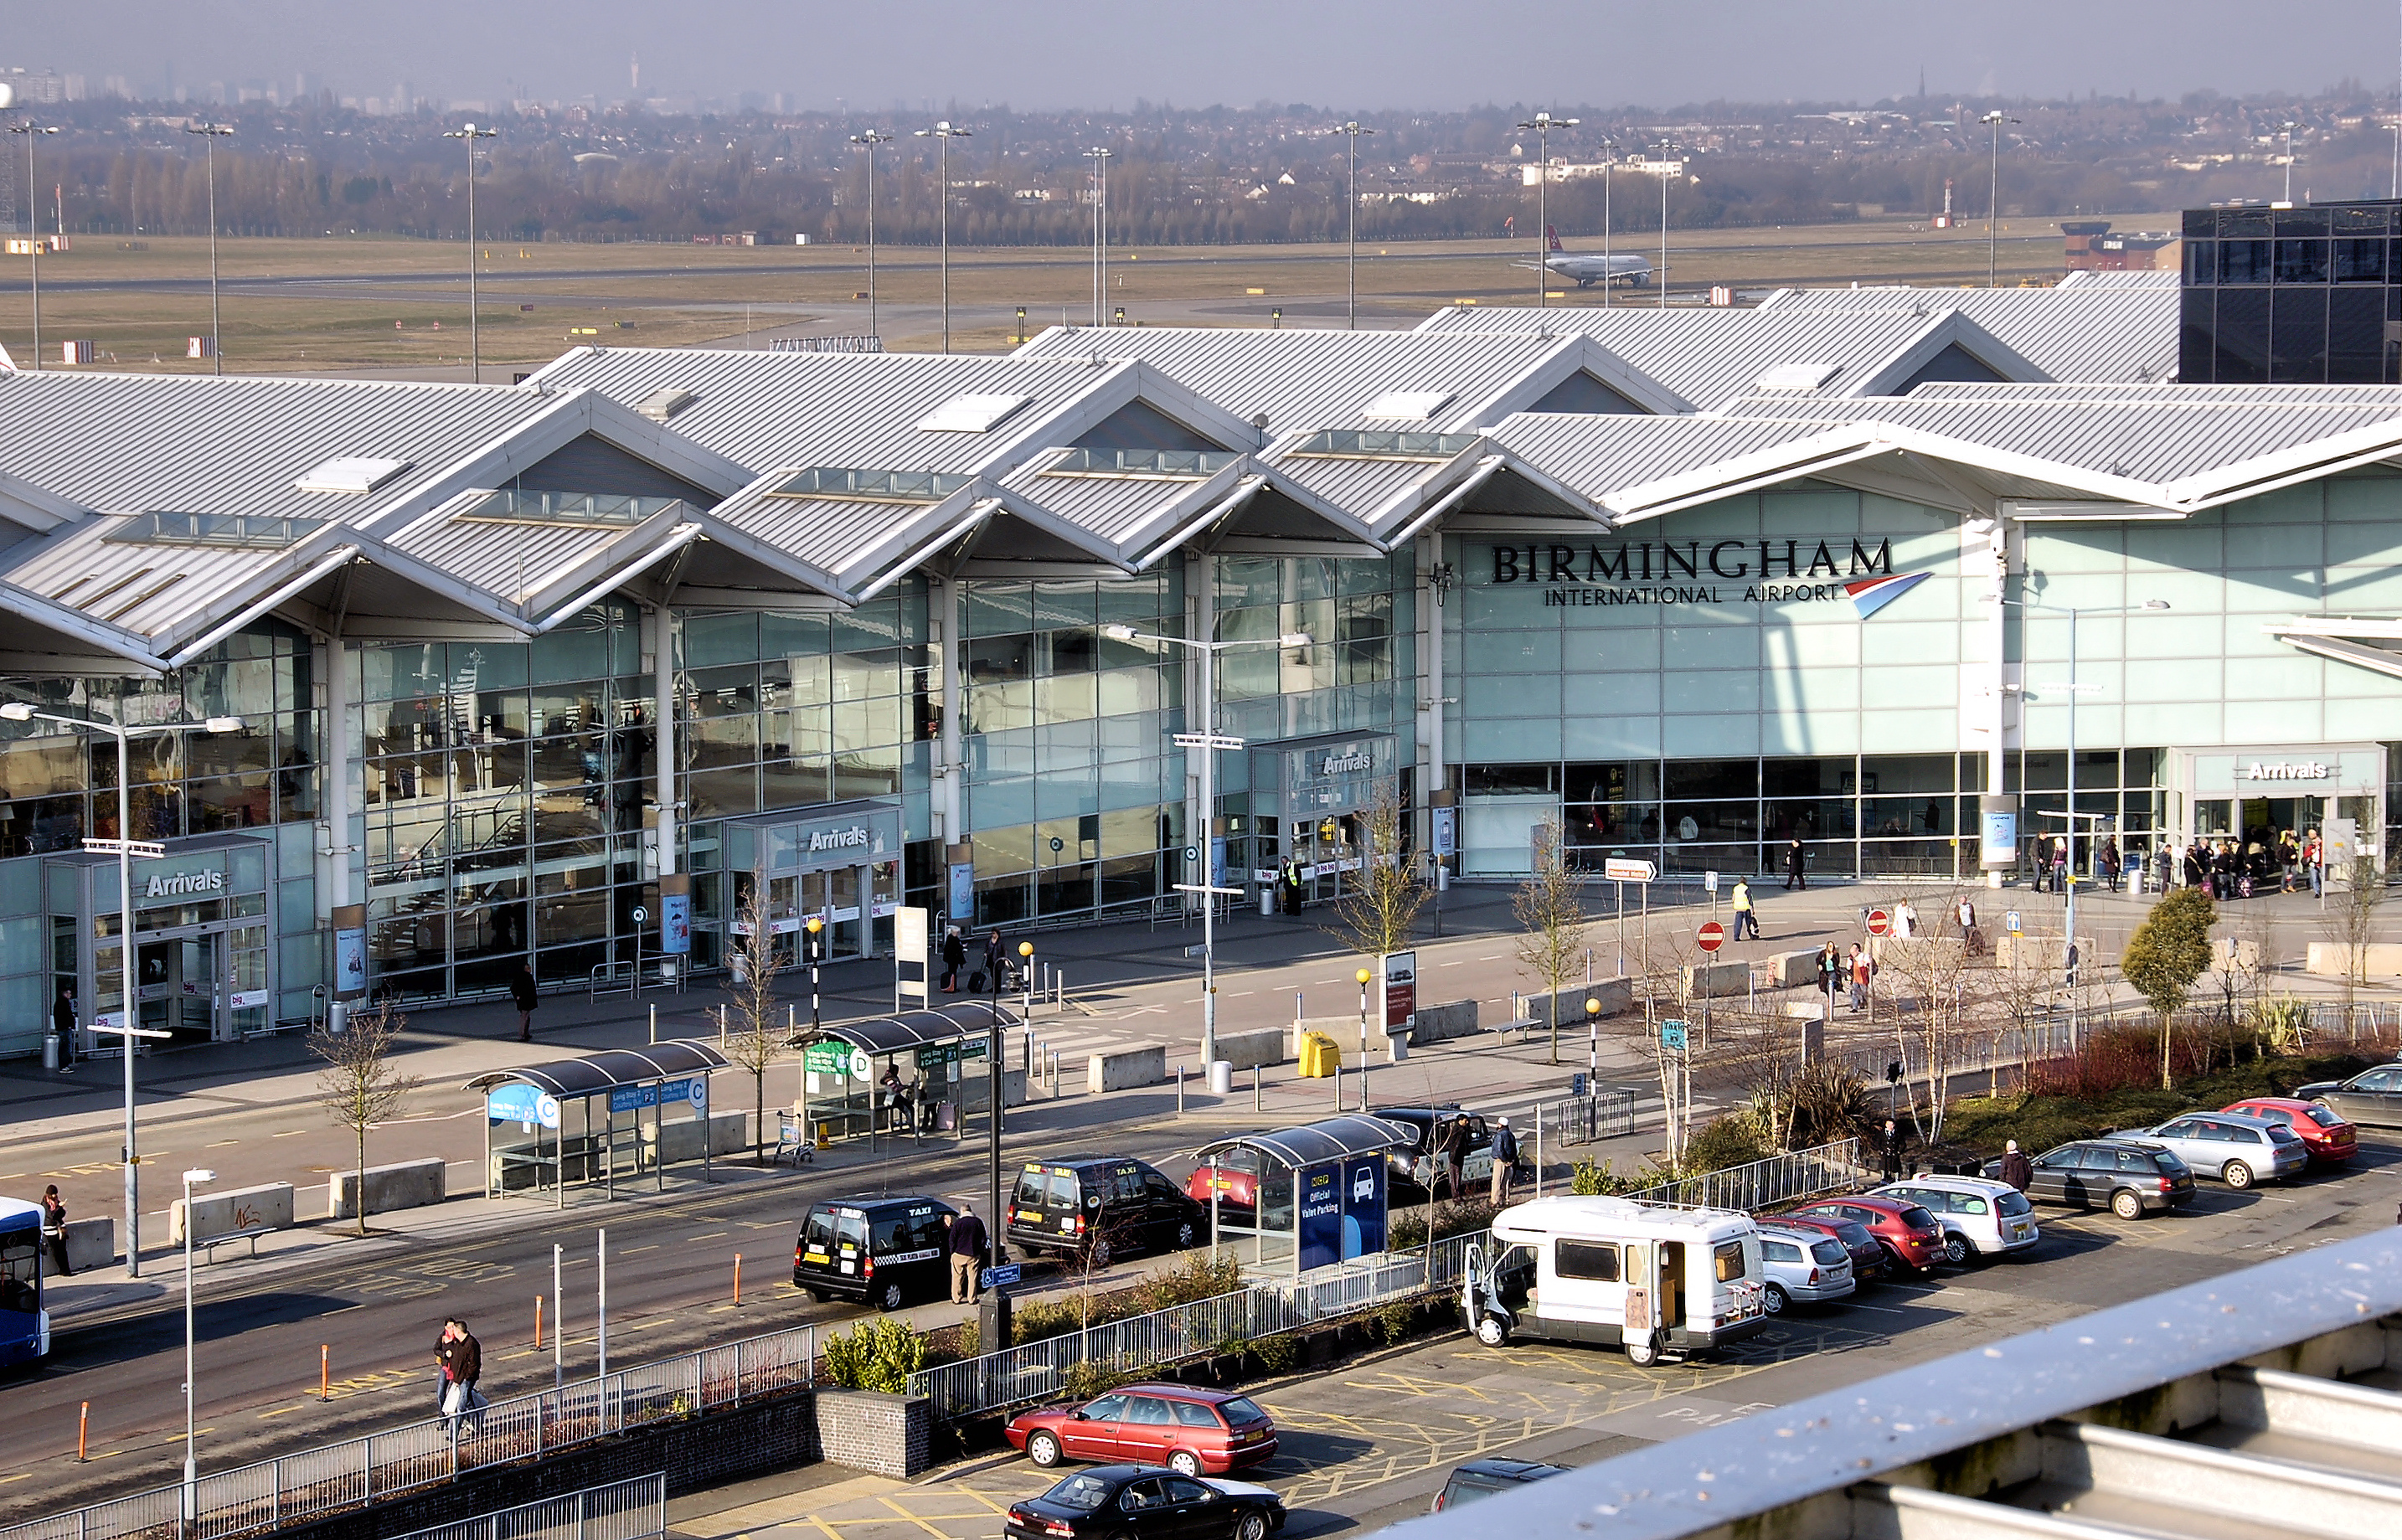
(24, 1324)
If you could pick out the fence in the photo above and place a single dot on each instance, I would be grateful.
(1607, 1113)
(272, 1494)
(624, 1510)
(1764, 1184)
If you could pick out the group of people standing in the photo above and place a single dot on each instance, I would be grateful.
(955, 957)
(2267, 860)
(2055, 862)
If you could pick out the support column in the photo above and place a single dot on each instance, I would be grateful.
(1200, 622)
(334, 797)
(1429, 686)
(663, 717)
(1998, 633)
(951, 774)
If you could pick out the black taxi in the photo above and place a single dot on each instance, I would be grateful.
(1092, 1206)
(880, 1251)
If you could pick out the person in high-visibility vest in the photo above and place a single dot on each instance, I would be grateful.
(1744, 913)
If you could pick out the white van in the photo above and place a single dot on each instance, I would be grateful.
(1655, 1278)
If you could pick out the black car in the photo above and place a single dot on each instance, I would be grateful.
(880, 1251)
(2130, 1178)
(1480, 1478)
(1148, 1503)
(1093, 1206)
(1415, 1167)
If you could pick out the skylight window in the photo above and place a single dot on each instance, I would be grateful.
(871, 485)
(1797, 377)
(1373, 444)
(973, 414)
(240, 531)
(579, 510)
(659, 405)
(1414, 406)
(356, 474)
(1178, 464)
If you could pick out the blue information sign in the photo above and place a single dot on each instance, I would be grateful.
(994, 1277)
(1363, 1205)
(1321, 1235)
(522, 1104)
(632, 1098)
(675, 924)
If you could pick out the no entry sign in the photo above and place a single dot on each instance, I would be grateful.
(1712, 935)
(1879, 921)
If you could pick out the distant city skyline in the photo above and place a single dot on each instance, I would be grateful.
(1390, 56)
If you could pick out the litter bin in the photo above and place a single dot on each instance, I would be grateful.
(50, 1051)
(1267, 901)
(1321, 1058)
(1222, 1077)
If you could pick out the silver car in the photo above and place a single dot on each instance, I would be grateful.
(1981, 1218)
(2234, 1147)
(1804, 1266)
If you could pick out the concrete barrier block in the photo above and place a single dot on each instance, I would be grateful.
(1126, 1068)
(971, 1092)
(1792, 969)
(1260, 1049)
(91, 1244)
(216, 1214)
(2046, 954)
(1717, 980)
(409, 1184)
(2230, 953)
(2333, 959)
(1616, 995)
(1436, 1024)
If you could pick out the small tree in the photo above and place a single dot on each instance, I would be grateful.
(2350, 919)
(2167, 953)
(1378, 914)
(1935, 969)
(1549, 904)
(753, 1039)
(359, 1086)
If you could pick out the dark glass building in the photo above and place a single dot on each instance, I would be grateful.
(2292, 296)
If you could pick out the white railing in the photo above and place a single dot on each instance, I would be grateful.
(1605, 1113)
(1764, 1183)
(623, 1510)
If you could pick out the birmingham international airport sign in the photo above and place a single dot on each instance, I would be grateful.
(1844, 568)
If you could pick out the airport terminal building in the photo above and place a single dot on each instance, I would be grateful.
(515, 664)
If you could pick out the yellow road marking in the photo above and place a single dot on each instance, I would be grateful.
(897, 1509)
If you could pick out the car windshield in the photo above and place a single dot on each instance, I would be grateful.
(1082, 1493)
(2324, 1117)
(1464, 1488)
(2014, 1204)
(1917, 1217)
(2169, 1164)
(2280, 1135)
(1829, 1253)
(1242, 1409)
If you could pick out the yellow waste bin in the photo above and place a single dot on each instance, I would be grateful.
(1319, 1056)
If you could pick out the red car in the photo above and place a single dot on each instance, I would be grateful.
(1231, 1176)
(1869, 1259)
(1911, 1236)
(2328, 1139)
(1196, 1432)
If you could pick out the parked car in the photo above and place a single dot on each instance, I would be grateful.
(1145, 1503)
(1089, 1207)
(2372, 1098)
(1231, 1176)
(1415, 1165)
(1191, 1430)
(1802, 1266)
(1912, 1237)
(1477, 1479)
(1981, 1218)
(880, 1251)
(2237, 1149)
(1869, 1259)
(2129, 1178)
(2327, 1139)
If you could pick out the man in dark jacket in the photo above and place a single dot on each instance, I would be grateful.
(1796, 865)
(523, 996)
(966, 1249)
(1891, 1143)
(2017, 1169)
(993, 955)
(62, 1022)
(955, 956)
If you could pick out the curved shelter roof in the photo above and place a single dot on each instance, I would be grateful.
(908, 1029)
(610, 1068)
(1328, 1139)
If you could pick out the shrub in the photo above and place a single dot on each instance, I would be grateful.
(1278, 1355)
(1462, 1216)
(1734, 1139)
(1588, 1180)
(879, 1355)
(1198, 1275)
(1394, 1321)
(2282, 1024)
(1830, 1102)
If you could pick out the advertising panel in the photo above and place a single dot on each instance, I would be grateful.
(1363, 1205)
(1320, 1227)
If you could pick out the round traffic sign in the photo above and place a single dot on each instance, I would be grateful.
(859, 1065)
(642, 916)
(1879, 921)
(1712, 935)
(1058, 844)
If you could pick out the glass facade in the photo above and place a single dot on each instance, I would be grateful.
(2292, 296)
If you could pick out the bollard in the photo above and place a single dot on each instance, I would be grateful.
(738, 1277)
(792, 1018)
(1338, 1085)
(325, 1371)
(1179, 1091)
(1297, 1006)
(1257, 1106)
(654, 1025)
(537, 1323)
(83, 1434)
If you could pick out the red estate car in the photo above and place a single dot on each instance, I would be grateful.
(1869, 1259)
(1911, 1236)
(2325, 1134)
(1193, 1431)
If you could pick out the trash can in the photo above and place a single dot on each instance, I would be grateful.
(1319, 1056)
(1267, 901)
(1222, 1077)
(50, 1051)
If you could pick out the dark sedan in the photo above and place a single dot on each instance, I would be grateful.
(2372, 1098)
(1147, 1503)
(2130, 1178)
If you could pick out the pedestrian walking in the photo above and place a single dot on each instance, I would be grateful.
(2059, 863)
(445, 1348)
(1905, 920)
(2314, 858)
(966, 1248)
(466, 1368)
(1891, 1143)
(523, 995)
(2107, 864)
(2017, 1169)
(996, 958)
(955, 956)
(1830, 973)
(1859, 968)
(1505, 1161)
(1797, 871)
(62, 1022)
(1972, 941)
(1744, 914)
(54, 1230)
(1293, 886)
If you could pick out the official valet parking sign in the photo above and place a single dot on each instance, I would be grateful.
(1852, 570)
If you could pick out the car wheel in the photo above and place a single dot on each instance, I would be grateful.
(2235, 1173)
(1043, 1450)
(821, 1296)
(1188, 1235)
(1186, 1463)
(1251, 1527)
(1642, 1354)
(892, 1296)
(2126, 1204)
(1957, 1249)
(1493, 1331)
(1098, 1252)
(1773, 1299)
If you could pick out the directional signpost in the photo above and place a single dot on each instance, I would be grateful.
(1671, 1037)
(1711, 936)
(2013, 924)
(1618, 870)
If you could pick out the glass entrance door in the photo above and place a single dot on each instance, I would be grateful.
(181, 990)
(835, 895)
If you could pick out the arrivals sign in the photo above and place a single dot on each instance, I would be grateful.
(1847, 568)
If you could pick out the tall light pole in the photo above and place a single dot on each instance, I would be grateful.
(1660, 279)
(1608, 174)
(942, 134)
(871, 139)
(1351, 232)
(1208, 742)
(191, 1463)
(213, 133)
(1994, 120)
(2394, 187)
(33, 131)
(1100, 160)
(2287, 128)
(474, 337)
(125, 848)
(1541, 126)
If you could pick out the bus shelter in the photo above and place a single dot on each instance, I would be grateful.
(1319, 1190)
(935, 1058)
(669, 1082)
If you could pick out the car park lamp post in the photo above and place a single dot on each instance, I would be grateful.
(474, 337)
(1208, 742)
(191, 1467)
(1351, 231)
(942, 134)
(871, 139)
(1541, 126)
(1994, 120)
(129, 1026)
(213, 133)
(33, 131)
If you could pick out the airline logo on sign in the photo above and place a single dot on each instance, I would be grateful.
(1726, 572)
(1869, 595)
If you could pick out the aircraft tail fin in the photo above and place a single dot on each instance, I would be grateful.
(1552, 234)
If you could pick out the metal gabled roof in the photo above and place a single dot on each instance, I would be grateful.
(1136, 518)
(525, 571)
(2107, 326)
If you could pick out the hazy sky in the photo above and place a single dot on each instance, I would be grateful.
(1363, 55)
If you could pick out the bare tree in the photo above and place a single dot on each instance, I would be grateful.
(1664, 980)
(1933, 970)
(2350, 918)
(1378, 914)
(753, 1039)
(359, 1086)
(1550, 905)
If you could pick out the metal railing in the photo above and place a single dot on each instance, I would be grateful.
(273, 1494)
(1608, 1113)
(1764, 1184)
(623, 1510)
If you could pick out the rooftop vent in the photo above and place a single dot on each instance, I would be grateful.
(1413, 406)
(971, 414)
(659, 405)
(1797, 377)
(357, 474)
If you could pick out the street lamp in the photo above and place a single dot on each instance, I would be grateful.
(213, 133)
(1351, 231)
(871, 139)
(942, 134)
(813, 925)
(1100, 160)
(1541, 126)
(1660, 279)
(124, 847)
(1608, 174)
(2287, 128)
(191, 1465)
(33, 131)
(1208, 742)
(475, 338)
(1993, 186)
